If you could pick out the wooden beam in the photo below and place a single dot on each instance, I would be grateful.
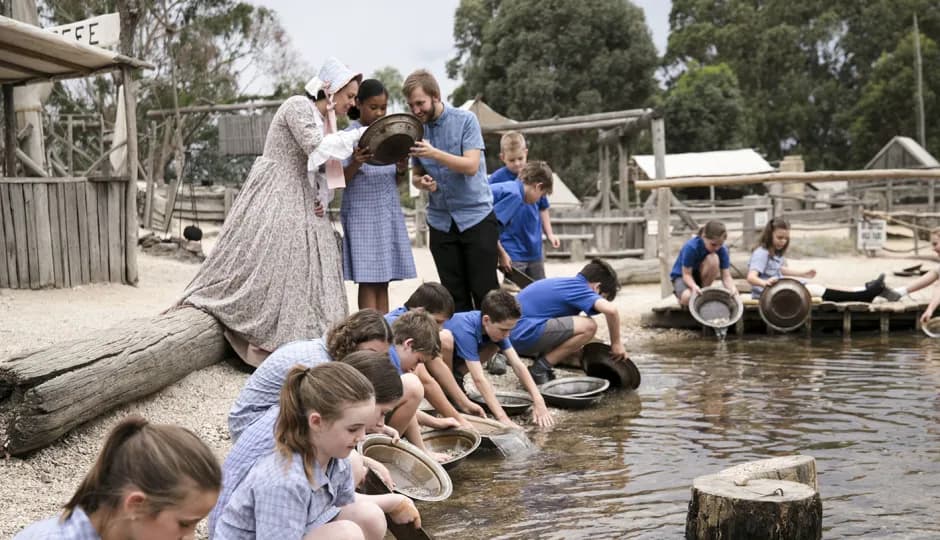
(600, 124)
(21, 68)
(268, 104)
(815, 176)
(663, 201)
(557, 121)
(9, 131)
(56, 61)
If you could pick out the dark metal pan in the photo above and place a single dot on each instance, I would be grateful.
(391, 137)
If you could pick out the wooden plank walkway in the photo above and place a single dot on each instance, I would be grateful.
(827, 318)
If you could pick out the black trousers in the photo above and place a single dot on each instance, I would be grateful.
(466, 261)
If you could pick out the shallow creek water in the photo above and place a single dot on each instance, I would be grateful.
(868, 410)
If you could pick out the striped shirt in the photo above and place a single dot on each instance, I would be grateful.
(263, 388)
(276, 500)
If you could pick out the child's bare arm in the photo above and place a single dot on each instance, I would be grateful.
(547, 229)
(612, 314)
(489, 395)
(540, 414)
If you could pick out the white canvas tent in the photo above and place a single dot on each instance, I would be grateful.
(718, 163)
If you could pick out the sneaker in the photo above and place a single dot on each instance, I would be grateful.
(890, 295)
(878, 283)
(541, 371)
(496, 365)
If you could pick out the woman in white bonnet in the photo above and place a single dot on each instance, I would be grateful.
(276, 272)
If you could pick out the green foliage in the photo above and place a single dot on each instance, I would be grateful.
(211, 45)
(704, 111)
(802, 67)
(887, 105)
(392, 80)
(532, 59)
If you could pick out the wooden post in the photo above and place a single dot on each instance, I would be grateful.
(130, 193)
(622, 174)
(748, 221)
(71, 146)
(151, 180)
(9, 131)
(663, 200)
(421, 220)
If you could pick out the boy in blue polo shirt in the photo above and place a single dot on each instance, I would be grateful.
(515, 203)
(551, 329)
(437, 378)
(701, 261)
(477, 337)
(522, 239)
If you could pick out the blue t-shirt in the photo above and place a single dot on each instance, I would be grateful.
(767, 266)
(522, 237)
(550, 299)
(693, 253)
(463, 199)
(469, 337)
(508, 201)
(393, 315)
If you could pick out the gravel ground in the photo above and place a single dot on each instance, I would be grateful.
(36, 486)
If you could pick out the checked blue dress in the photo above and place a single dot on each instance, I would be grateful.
(376, 248)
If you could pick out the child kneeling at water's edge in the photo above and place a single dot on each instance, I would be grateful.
(924, 281)
(305, 488)
(701, 261)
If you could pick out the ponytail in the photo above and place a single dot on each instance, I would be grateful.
(175, 459)
(364, 325)
(327, 389)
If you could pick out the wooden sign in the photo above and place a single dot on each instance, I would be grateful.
(100, 31)
(872, 234)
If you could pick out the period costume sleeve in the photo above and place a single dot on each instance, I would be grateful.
(303, 125)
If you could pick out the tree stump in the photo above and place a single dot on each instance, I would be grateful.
(45, 394)
(762, 508)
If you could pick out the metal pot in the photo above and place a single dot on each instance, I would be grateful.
(391, 137)
(785, 305)
(596, 362)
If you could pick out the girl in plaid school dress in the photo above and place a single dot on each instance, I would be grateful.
(376, 248)
(149, 481)
(305, 488)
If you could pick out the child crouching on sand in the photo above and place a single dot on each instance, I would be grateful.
(701, 261)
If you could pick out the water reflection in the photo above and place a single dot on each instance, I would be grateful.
(867, 409)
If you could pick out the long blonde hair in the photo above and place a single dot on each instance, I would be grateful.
(327, 389)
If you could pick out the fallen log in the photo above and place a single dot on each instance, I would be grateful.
(45, 394)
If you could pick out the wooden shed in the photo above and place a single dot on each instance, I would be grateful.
(63, 231)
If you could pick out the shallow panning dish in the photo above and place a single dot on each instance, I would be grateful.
(391, 137)
(513, 403)
(574, 392)
(785, 305)
(932, 327)
(456, 443)
(415, 474)
(716, 307)
(596, 362)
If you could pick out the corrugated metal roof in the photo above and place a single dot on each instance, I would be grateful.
(718, 163)
(29, 53)
(915, 150)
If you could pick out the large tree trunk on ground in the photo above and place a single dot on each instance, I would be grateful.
(757, 500)
(44, 394)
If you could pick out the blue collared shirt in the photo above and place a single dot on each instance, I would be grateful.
(469, 337)
(276, 500)
(550, 299)
(263, 388)
(76, 527)
(522, 237)
(394, 314)
(693, 253)
(462, 199)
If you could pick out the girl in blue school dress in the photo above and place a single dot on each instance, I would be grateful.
(376, 248)
(305, 487)
(149, 481)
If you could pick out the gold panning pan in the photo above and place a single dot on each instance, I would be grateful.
(785, 305)
(391, 137)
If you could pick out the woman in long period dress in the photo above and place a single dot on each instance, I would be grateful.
(276, 272)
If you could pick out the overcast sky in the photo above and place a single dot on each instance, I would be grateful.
(406, 34)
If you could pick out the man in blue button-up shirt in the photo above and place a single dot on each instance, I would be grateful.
(449, 165)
